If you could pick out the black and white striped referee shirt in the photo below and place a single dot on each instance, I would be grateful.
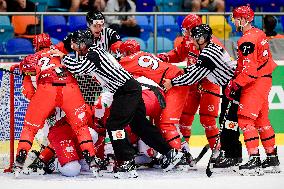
(214, 63)
(100, 64)
(107, 37)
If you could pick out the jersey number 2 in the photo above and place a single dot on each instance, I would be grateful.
(44, 62)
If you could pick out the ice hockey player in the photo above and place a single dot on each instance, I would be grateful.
(127, 93)
(145, 64)
(59, 89)
(254, 76)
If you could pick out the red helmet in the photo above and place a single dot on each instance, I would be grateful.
(29, 63)
(42, 41)
(128, 47)
(243, 12)
(191, 21)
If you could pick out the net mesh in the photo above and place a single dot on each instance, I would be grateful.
(90, 90)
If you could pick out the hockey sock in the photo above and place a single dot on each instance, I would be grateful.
(185, 131)
(267, 137)
(211, 129)
(250, 133)
(171, 135)
(47, 154)
(185, 125)
(85, 140)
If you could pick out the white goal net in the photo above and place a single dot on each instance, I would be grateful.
(12, 114)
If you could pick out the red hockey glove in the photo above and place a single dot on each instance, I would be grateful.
(28, 64)
(164, 57)
(230, 90)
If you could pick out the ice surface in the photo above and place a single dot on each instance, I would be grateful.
(152, 179)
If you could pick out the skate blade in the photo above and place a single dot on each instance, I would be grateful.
(173, 164)
(102, 173)
(272, 169)
(252, 172)
(126, 175)
(182, 168)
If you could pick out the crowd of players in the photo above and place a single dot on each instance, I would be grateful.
(137, 84)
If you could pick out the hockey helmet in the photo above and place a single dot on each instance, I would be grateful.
(95, 17)
(243, 12)
(202, 31)
(190, 21)
(82, 37)
(128, 47)
(41, 41)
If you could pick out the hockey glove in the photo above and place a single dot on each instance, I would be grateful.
(231, 89)
(164, 57)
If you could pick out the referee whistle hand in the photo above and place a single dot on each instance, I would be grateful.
(167, 84)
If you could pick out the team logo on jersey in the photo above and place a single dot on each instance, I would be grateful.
(231, 125)
(68, 148)
(118, 134)
(247, 48)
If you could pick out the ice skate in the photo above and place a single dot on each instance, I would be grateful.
(252, 167)
(171, 159)
(125, 169)
(271, 163)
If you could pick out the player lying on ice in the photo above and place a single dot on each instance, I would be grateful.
(58, 88)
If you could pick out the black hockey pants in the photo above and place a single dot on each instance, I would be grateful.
(128, 108)
(229, 138)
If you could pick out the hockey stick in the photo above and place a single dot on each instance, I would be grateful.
(215, 94)
(208, 170)
(201, 154)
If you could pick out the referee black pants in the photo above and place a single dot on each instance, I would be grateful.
(229, 138)
(128, 108)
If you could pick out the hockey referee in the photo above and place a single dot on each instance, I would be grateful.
(103, 37)
(127, 106)
(216, 65)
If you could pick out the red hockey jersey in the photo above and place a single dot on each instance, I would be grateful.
(150, 66)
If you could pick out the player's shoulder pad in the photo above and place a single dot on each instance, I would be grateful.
(247, 48)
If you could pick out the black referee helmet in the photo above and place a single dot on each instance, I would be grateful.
(94, 15)
(82, 37)
(200, 31)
